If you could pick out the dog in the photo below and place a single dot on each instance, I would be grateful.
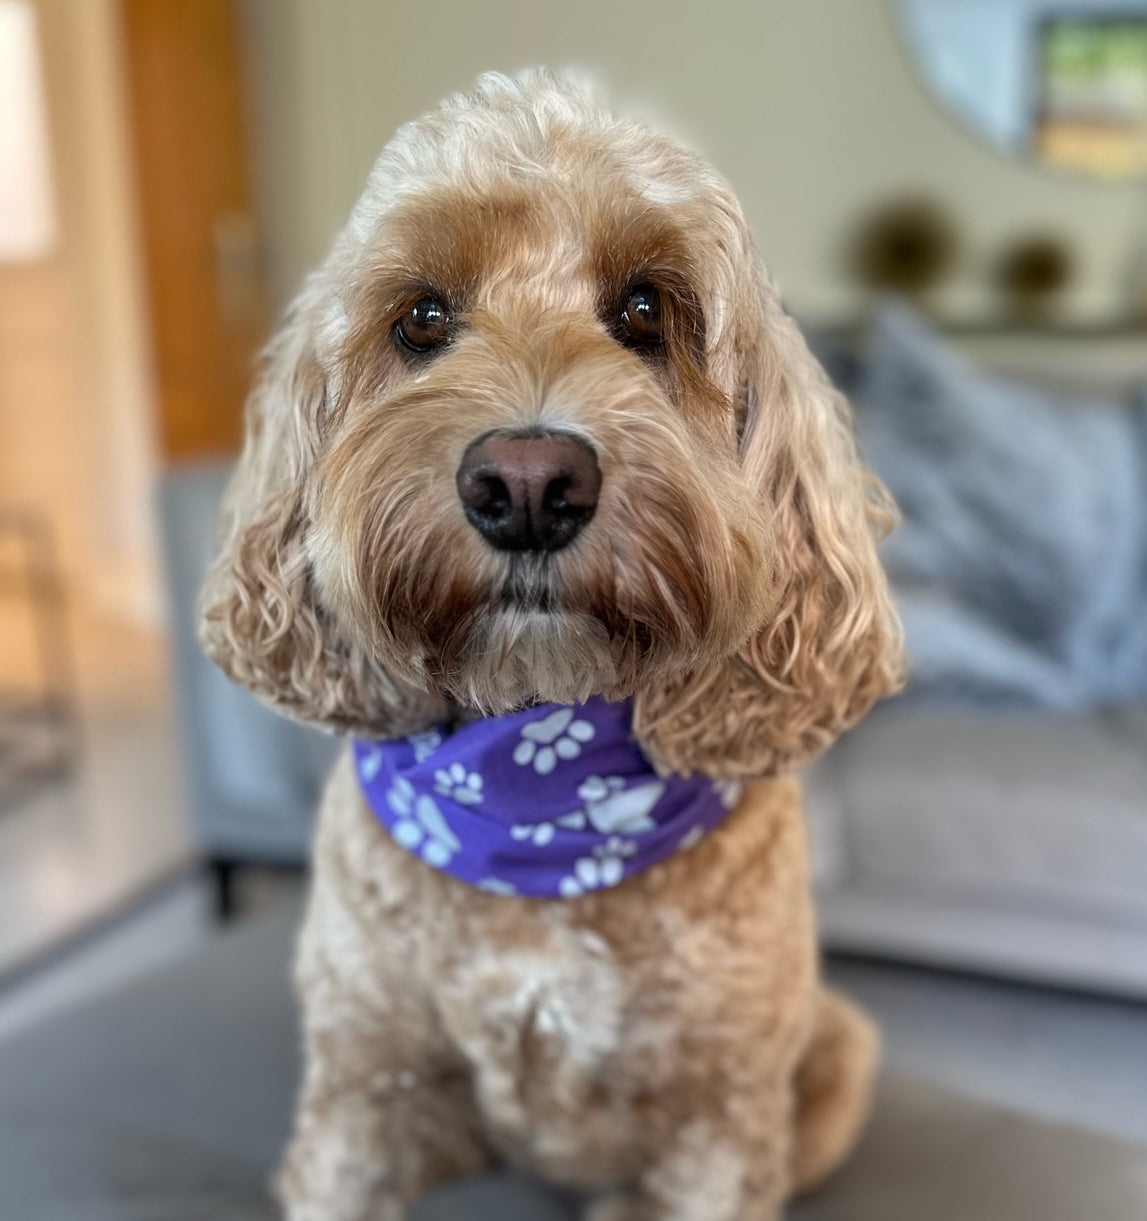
(537, 460)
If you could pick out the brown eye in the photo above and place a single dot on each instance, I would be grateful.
(424, 326)
(640, 320)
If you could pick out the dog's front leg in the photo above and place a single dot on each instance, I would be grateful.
(386, 1109)
(366, 1152)
(731, 1168)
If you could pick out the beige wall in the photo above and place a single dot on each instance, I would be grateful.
(808, 106)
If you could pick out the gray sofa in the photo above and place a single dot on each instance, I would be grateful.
(1011, 844)
(1004, 842)
(996, 818)
(169, 1100)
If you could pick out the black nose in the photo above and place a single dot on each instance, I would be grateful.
(528, 493)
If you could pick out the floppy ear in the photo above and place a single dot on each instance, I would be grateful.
(259, 618)
(831, 645)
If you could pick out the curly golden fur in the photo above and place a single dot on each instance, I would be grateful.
(665, 1044)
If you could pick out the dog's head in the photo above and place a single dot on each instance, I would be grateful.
(539, 428)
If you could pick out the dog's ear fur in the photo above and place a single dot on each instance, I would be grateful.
(831, 645)
(259, 618)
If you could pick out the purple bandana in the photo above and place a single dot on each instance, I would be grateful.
(549, 803)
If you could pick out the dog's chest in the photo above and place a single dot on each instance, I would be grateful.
(545, 1029)
(555, 1004)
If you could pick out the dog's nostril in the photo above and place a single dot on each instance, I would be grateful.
(495, 496)
(529, 493)
(555, 495)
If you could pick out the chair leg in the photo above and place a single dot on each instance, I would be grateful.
(222, 873)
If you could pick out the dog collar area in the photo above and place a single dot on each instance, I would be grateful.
(548, 802)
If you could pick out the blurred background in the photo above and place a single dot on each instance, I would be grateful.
(952, 196)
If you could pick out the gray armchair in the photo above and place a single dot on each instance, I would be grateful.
(253, 777)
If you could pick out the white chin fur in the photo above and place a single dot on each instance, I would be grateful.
(520, 656)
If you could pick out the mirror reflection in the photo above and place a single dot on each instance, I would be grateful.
(1064, 84)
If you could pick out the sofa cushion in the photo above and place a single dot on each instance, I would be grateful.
(1024, 525)
(169, 1099)
(1014, 807)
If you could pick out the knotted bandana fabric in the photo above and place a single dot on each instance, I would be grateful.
(551, 802)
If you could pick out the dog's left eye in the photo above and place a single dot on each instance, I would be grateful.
(639, 324)
(424, 326)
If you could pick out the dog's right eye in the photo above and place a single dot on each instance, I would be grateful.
(640, 320)
(424, 326)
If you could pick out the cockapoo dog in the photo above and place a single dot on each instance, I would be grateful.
(545, 502)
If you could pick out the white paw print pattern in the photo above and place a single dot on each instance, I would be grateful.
(542, 833)
(611, 807)
(597, 872)
(420, 827)
(458, 784)
(729, 791)
(615, 846)
(557, 736)
(496, 886)
(594, 789)
(539, 833)
(370, 763)
(425, 743)
(691, 839)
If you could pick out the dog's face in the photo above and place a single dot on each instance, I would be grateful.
(539, 429)
(530, 485)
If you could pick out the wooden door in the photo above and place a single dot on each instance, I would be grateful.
(206, 297)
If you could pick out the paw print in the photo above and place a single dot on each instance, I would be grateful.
(615, 846)
(401, 797)
(539, 834)
(691, 838)
(592, 873)
(420, 827)
(370, 763)
(611, 807)
(729, 791)
(597, 788)
(495, 886)
(425, 744)
(594, 789)
(557, 736)
(542, 833)
(458, 784)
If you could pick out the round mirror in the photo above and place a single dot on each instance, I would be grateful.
(1060, 82)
